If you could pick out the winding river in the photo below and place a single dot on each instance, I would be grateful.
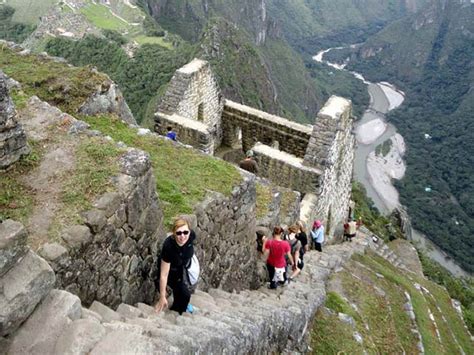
(376, 173)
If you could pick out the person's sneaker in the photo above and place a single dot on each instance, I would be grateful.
(190, 308)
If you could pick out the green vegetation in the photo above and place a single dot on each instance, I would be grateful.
(263, 200)
(433, 66)
(460, 289)
(183, 176)
(140, 78)
(11, 30)
(96, 161)
(373, 293)
(54, 82)
(384, 148)
(365, 209)
(28, 11)
(422, 304)
(15, 195)
(101, 16)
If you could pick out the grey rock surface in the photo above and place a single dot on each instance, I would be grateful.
(52, 251)
(12, 244)
(78, 235)
(39, 334)
(79, 337)
(21, 289)
(108, 101)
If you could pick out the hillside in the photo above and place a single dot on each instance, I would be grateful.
(72, 164)
(430, 56)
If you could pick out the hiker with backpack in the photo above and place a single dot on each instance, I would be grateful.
(296, 248)
(177, 259)
(317, 235)
(275, 251)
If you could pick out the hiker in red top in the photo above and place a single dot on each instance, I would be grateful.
(275, 251)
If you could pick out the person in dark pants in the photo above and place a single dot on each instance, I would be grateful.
(177, 251)
(274, 252)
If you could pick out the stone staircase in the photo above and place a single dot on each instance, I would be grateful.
(251, 321)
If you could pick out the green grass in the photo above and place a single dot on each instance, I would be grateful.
(56, 83)
(102, 17)
(16, 198)
(422, 305)
(143, 39)
(29, 11)
(287, 198)
(329, 336)
(183, 176)
(96, 163)
(264, 198)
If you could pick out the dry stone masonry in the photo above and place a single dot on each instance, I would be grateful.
(316, 160)
(258, 321)
(12, 136)
(111, 257)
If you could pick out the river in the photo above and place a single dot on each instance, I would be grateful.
(376, 173)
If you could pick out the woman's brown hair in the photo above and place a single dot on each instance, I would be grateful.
(178, 223)
(300, 224)
(293, 229)
(277, 230)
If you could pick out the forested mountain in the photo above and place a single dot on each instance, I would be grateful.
(430, 55)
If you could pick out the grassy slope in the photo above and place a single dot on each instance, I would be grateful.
(30, 11)
(183, 175)
(378, 289)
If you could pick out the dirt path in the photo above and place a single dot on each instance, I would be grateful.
(43, 123)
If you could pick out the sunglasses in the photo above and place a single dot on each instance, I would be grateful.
(178, 233)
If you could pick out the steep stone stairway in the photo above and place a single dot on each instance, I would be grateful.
(261, 320)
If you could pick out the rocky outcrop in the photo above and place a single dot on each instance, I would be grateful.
(108, 100)
(25, 278)
(12, 137)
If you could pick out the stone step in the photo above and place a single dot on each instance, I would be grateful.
(40, 332)
(21, 289)
(107, 314)
(13, 237)
(80, 337)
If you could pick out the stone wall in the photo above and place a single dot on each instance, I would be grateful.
(12, 137)
(286, 170)
(332, 149)
(111, 257)
(226, 248)
(188, 131)
(258, 126)
(193, 93)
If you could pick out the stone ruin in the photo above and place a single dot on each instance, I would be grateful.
(316, 160)
(12, 136)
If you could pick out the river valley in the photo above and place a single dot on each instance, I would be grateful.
(376, 171)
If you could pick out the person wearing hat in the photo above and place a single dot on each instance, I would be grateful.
(350, 229)
(248, 163)
(317, 235)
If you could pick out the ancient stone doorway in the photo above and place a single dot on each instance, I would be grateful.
(200, 116)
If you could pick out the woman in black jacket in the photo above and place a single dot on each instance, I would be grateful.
(177, 252)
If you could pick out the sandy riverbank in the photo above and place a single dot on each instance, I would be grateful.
(369, 132)
(382, 169)
(395, 97)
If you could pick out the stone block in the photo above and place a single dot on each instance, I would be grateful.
(129, 311)
(79, 337)
(21, 289)
(105, 312)
(135, 163)
(95, 219)
(13, 237)
(109, 203)
(39, 334)
(53, 251)
(79, 235)
(123, 342)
